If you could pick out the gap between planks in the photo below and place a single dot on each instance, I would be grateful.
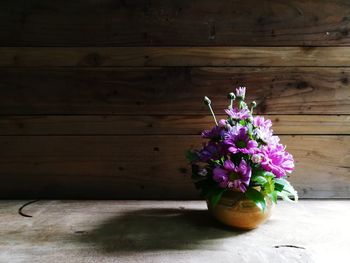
(239, 56)
(160, 125)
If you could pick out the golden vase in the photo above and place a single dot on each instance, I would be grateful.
(235, 210)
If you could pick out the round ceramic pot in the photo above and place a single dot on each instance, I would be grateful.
(235, 210)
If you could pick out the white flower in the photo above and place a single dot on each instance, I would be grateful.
(256, 158)
(203, 172)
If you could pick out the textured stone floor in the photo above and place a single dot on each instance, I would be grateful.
(169, 231)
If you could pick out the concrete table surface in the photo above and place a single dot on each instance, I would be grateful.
(169, 231)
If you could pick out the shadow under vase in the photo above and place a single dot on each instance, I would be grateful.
(158, 229)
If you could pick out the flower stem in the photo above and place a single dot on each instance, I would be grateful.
(241, 104)
(231, 97)
(207, 101)
(253, 105)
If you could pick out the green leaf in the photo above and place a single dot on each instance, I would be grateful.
(273, 197)
(286, 196)
(286, 185)
(281, 181)
(206, 187)
(195, 176)
(242, 122)
(231, 122)
(191, 156)
(259, 172)
(200, 184)
(265, 180)
(269, 187)
(261, 180)
(278, 187)
(270, 175)
(250, 130)
(257, 197)
(212, 162)
(287, 191)
(242, 104)
(215, 196)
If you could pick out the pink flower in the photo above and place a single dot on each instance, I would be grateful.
(260, 122)
(235, 113)
(263, 128)
(275, 159)
(240, 92)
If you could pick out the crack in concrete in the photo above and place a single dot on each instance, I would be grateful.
(291, 246)
(23, 206)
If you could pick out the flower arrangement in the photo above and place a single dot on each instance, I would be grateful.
(243, 155)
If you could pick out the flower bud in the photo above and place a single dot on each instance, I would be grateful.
(240, 92)
(256, 158)
(207, 101)
(203, 172)
(231, 96)
(253, 105)
(222, 123)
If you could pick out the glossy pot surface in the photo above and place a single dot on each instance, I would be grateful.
(235, 210)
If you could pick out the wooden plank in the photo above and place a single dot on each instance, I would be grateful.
(148, 167)
(179, 23)
(172, 56)
(179, 90)
(169, 231)
(160, 125)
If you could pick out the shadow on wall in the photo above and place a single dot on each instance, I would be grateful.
(157, 229)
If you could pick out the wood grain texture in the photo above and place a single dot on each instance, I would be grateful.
(175, 90)
(160, 124)
(99, 99)
(169, 231)
(148, 167)
(172, 56)
(175, 23)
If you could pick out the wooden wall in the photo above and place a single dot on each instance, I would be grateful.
(100, 99)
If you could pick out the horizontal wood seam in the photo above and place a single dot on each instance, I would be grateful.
(156, 135)
(160, 114)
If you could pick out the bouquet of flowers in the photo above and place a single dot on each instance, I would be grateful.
(243, 155)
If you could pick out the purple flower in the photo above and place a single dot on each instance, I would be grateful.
(221, 176)
(239, 141)
(235, 113)
(210, 151)
(231, 176)
(240, 92)
(276, 160)
(215, 133)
